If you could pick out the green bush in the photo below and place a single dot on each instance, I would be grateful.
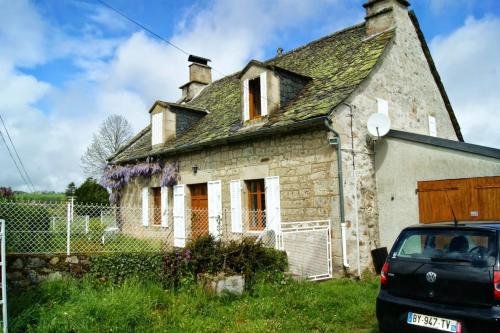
(117, 267)
(207, 255)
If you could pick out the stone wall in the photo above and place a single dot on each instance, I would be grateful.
(24, 270)
(404, 79)
(304, 161)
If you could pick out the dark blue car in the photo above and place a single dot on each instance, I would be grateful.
(442, 278)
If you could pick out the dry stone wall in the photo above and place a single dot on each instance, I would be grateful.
(24, 270)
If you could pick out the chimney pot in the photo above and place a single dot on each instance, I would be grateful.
(381, 14)
(200, 75)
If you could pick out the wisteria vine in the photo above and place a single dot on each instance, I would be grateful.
(115, 177)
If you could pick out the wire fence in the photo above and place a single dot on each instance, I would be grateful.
(75, 228)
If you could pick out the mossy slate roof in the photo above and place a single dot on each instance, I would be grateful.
(337, 64)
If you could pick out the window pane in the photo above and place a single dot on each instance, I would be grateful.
(476, 247)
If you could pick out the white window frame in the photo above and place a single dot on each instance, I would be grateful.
(145, 206)
(236, 206)
(214, 191)
(273, 204)
(179, 213)
(164, 207)
(432, 126)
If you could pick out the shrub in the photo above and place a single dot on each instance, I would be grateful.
(117, 267)
(207, 255)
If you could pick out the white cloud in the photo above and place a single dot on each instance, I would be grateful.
(467, 60)
(439, 6)
(121, 75)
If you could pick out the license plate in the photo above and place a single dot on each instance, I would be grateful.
(441, 324)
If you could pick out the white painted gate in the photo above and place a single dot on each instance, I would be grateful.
(308, 247)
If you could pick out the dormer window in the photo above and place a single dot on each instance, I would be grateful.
(254, 98)
(267, 89)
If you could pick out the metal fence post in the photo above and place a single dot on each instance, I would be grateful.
(68, 224)
(4, 276)
(87, 224)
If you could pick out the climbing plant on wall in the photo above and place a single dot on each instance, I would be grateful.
(115, 177)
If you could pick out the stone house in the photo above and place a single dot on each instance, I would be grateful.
(286, 139)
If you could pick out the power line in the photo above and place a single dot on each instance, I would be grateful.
(14, 160)
(17, 154)
(142, 26)
(161, 38)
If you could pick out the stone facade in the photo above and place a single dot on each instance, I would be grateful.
(305, 163)
(404, 79)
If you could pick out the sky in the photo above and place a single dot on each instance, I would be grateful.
(67, 65)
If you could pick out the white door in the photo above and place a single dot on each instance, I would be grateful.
(273, 207)
(179, 216)
(214, 208)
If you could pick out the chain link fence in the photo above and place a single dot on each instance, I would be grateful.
(66, 227)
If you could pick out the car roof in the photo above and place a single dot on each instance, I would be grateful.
(489, 225)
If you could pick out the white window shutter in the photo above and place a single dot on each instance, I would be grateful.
(273, 207)
(263, 94)
(157, 128)
(214, 207)
(383, 106)
(179, 216)
(236, 213)
(164, 207)
(432, 126)
(246, 102)
(145, 206)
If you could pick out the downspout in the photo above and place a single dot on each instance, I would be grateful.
(355, 181)
(336, 142)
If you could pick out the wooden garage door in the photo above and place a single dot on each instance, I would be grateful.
(472, 199)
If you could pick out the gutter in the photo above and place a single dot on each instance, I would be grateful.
(336, 142)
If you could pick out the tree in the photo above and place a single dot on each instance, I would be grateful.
(113, 134)
(90, 192)
(70, 190)
(6, 193)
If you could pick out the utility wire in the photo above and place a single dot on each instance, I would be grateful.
(160, 37)
(142, 26)
(14, 160)
(17, 154)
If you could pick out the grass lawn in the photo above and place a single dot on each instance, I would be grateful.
(90, 306)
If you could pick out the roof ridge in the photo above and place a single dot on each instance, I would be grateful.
(358, 25)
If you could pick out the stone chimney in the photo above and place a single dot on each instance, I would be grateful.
(384, 14)
(200, 75)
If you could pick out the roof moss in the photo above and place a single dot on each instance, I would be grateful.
(336, 64)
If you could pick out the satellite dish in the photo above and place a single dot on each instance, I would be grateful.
(379, 124)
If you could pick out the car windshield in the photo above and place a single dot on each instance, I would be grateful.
(476, 247)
